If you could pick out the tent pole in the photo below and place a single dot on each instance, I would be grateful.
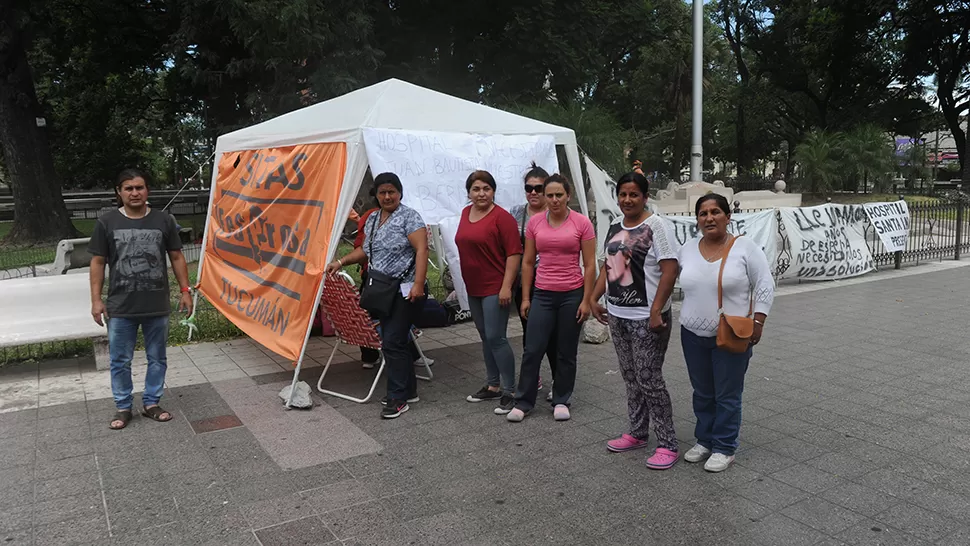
(439, 248)
(306, 339)
(205, 237)
(576, 172)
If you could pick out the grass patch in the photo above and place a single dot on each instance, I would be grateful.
(210, 324)
(14, 256)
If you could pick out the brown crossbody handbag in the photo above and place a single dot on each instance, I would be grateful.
(733, 332)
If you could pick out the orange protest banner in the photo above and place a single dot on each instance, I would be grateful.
(269, 229)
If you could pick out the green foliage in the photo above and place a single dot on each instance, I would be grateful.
(818, 160)
(868, 155)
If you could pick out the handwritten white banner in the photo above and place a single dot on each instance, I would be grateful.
(827, 242)
(433, 166)
(891, 221)
(761, 227)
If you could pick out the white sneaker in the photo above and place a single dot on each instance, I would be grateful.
(697, 454)
(368, 365)
(718, 462)
(549, 396)
(420, 363)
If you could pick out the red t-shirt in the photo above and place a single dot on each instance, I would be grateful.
(359, 239)
(483, 248)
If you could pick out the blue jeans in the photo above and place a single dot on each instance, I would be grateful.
(718, 380)
(492, 322)
(122, 335)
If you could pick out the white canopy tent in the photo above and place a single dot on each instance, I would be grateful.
(391, 104)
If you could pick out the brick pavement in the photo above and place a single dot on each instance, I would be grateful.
(856, 427)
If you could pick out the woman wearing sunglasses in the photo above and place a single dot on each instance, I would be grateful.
(535, 204)
(560, 300)
(638, 277)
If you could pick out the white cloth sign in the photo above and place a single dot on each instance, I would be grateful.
(433, 166)
(827, 242)
(761, 227)
(604, 194)
(891, 221)
(449, 229)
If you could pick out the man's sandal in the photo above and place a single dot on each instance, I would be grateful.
(155, 414)
(121, 415)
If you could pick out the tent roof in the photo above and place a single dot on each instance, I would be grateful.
(391, 104)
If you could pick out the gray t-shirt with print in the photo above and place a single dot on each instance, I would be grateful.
(135, 250)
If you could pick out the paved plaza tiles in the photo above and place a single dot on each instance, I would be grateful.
(856, 431)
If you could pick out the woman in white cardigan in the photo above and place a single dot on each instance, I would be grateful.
(717, 375)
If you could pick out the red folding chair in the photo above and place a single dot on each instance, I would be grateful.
(354, 326)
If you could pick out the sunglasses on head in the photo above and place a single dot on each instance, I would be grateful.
(616, 247)
(529, 188)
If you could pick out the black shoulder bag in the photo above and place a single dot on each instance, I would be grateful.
(378, 293)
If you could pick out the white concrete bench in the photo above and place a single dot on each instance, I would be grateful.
(53, 308)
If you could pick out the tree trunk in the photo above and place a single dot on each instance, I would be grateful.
(679, 148)
(39, 211)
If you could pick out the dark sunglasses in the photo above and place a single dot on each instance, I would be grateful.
(616, 247)
(533, 189)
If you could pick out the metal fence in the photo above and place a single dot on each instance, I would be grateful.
(937, 231)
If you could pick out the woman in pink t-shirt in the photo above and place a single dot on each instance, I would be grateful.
(559, 298)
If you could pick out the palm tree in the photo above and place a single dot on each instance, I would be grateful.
(868, 153)
(818, 160)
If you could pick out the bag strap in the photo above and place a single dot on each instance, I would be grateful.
(720, 277)
(373, 229)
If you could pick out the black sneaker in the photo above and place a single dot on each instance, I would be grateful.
(394, 409)
(505, 405)
(483, 394)
(411, 400)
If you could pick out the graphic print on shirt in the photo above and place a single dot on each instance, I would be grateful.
(140, 266)
(626, 250)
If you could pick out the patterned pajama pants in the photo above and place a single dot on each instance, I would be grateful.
(640, 352)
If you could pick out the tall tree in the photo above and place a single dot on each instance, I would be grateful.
(937, 43)
(39, 210)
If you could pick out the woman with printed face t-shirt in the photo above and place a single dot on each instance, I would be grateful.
(638, 277)
(489, 251)
(560, 297)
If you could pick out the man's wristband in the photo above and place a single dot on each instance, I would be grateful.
(185, 289)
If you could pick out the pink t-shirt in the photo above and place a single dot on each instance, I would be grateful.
(560, 250)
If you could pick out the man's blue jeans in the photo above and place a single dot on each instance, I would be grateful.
(122, 335)
(718, 380)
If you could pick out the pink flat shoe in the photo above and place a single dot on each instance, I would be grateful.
(625, 443)
(662, 459)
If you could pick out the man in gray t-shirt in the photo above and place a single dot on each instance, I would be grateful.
(134, 242)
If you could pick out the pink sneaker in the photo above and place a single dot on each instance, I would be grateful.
(625, 443)
(561, 412)
(662, 459)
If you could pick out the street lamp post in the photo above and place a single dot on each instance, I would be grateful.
(696, 144)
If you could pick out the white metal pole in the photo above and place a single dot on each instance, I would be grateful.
(696, 144)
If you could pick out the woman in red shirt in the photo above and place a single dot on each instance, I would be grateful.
(489, 250)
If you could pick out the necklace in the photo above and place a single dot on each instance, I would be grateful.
(717, 252)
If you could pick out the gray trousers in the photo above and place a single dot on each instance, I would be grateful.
(492, 322)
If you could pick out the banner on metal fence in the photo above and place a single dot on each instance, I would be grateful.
(272, 215)
(761, 227)
(827, 242)
(891, 221)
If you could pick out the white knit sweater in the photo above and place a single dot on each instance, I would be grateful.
(747, 272)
